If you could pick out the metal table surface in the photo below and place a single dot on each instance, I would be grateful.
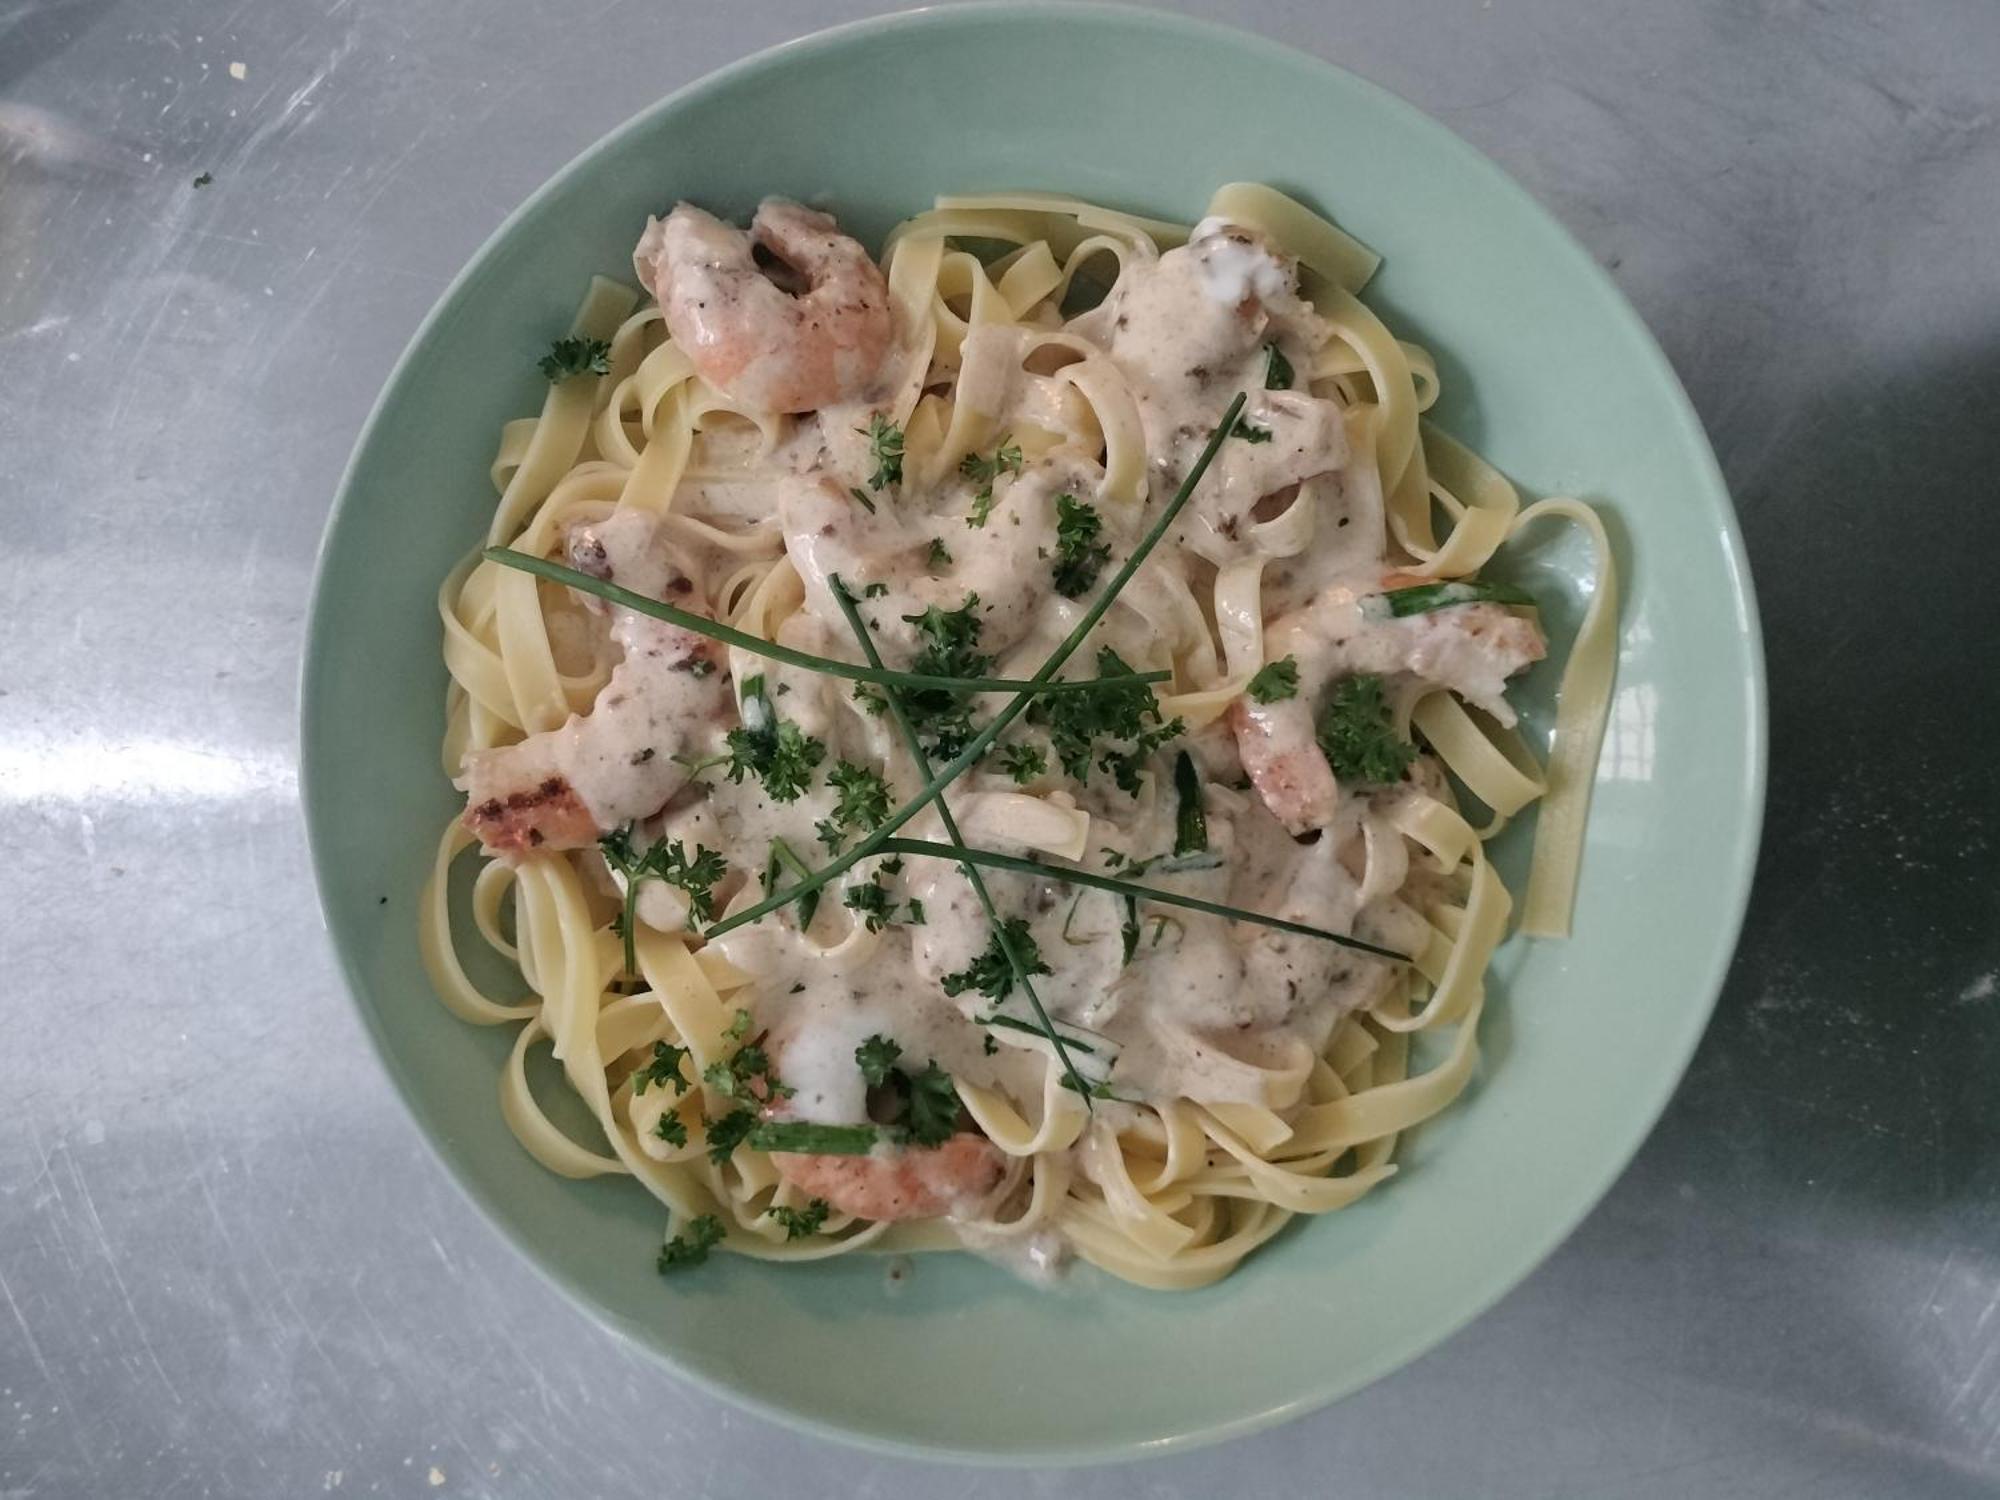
(228, 1264)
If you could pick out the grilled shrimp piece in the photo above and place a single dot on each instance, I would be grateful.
(909, 1182)
(748, 336)
(562, 788)
(1472, 649)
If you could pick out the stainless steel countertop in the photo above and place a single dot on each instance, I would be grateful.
(229, 1266)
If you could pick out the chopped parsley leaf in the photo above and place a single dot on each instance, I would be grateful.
(885, 446)
(1080, 557)
(802, 1223)
(940, 554)
(1124, 711)
(1250, 434)
(671, 1129)
(863, 804)
(747, 1074)
(926, 1104)
(1275, 681)
(726, 1134)
(950, 638)
(931, 1108)
(569, 358)
(665, 860)
(916, 910)
(777, 752)
(876, 1058)
(1006, 459)
(991, 974)
(665, 1068)
(876, 905)
(690, 1247)
(1358, 736)
(1023, 762)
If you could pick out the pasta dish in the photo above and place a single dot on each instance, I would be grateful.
(966, 749)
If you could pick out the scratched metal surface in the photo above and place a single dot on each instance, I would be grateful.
(229, 1266)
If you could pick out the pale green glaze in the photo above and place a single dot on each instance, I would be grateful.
(1547, 371)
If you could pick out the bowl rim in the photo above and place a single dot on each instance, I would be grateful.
(1741, 855)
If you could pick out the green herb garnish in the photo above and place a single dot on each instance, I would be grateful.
(1277, 369)
(1023, 762)
(1006, 459)
(940, 554)
(926, 1104)
(1065, 875)
(861, 498)
(781, 856)
(1123, 709)
(885, 446)
(746, 1074)
(992, 974)
(776, 751)
(864, 802)
(1250, 434)
(802, 1223)
(1275, 681)
(1080, 557)
(873, 902)
(813, 1139)
(715, 630)
(664, 1069)
(690, 1247)
(727, 1133)
(949, 648)
(932, 1106)
(1358, 736)
(876, 1058)
(672, 1129)
(569, 358)
(1190, 821)
(665, 860)
(1429, 596)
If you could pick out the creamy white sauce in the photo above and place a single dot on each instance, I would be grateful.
(1204, 1008)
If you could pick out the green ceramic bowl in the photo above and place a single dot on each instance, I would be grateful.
(1547, 371)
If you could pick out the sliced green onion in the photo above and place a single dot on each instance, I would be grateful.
(1428, 596)
(1064, 875)
(1190, 822)
(1011, 1024)
(812, 1139)
(715, 630)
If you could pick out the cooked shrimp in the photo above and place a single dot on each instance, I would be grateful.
(562, 788)
(746, 334)
(910, 1182)
(1472, 649)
